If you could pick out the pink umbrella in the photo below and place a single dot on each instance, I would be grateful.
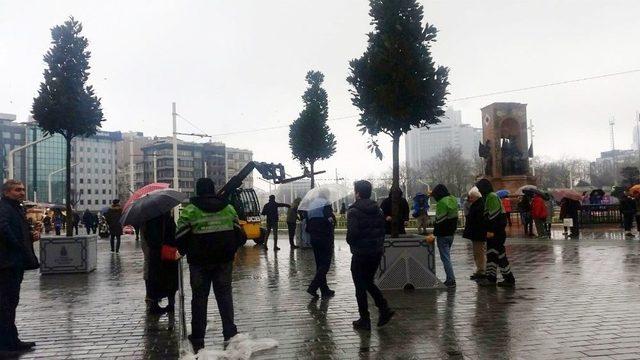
(143, 191)
(559, 194)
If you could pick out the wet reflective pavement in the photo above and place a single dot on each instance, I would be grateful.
(574, 299)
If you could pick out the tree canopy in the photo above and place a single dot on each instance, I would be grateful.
(310, 138)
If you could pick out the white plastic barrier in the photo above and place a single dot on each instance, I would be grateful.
(408, 261)
(61, 254)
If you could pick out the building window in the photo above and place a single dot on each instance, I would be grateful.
(109, 179)
(88, 181)
(88, 160)
(104, 202)
(104, 161)
(104, 171)
(89, 202)
(104, 181)
(81, 191)
(81, 202)
(104, 191)
(89, 191)
(81, 149)
(81, 181)
(88, 170)
(109, 191)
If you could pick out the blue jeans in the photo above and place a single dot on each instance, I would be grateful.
(444, 247)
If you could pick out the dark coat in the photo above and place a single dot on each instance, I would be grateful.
(320, 229)
(16, 247)
(628, 206)
(270, 210)
(162, 276)
(113, 219)
(87, 218)
(404, 214)
(365, 228)
(474, 228)
(569, 209)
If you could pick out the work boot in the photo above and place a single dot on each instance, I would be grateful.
(24, 345)
(362, 324)
(385, 316)
(450, 283)
(486, 282)
(477, 276)
(328, 293)
(509, 281)
(312, 292)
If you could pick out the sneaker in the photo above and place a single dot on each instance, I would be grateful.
(24, 345)
(486, 282)
(385, 317)
(362, 324)
(198, 344)
(313, 293)
(506, 283)
(450, 283)
(477, 276)
(328, 293)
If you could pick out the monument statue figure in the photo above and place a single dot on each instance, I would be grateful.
(484, 151)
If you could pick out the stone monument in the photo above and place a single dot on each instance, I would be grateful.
(505, 146)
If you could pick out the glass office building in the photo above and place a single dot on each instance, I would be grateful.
(43, 159)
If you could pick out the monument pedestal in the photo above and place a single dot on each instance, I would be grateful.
(61, 254)
(513, 182)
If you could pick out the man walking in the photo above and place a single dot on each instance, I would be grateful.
(270, 210)
(292, 219)
(113, 220)
(15, 239)
(495, 223)
(209, 234)
(445, 228)
(320, 226)
(365, 236)
(87, 220)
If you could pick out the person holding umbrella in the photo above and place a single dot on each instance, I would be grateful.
(320, 224)
(209, 234)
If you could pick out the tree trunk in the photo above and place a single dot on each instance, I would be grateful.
(395, 189)
(69, 218)
(313, 179)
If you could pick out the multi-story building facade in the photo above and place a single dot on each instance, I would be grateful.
(12, 135)
(605, 170)
(94, 178)
(45, 177)
(422, 144)
(130, 148)
(236, 160)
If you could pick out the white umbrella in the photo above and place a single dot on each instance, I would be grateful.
(323, 195)
(522, 189)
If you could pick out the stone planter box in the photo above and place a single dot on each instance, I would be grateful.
(408, 262)
(65, 255)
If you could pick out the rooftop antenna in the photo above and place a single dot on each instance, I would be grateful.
(612, 123)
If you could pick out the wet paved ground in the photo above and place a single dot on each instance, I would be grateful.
(575, 299)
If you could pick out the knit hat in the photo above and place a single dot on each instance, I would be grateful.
(205, 186)
(475, 193)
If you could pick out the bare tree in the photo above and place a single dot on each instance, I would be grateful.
(450, 169)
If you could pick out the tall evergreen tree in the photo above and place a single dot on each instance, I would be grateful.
(66, 105)
(310, 138)
(396, 84)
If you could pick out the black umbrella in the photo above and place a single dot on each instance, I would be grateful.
(597, 192)
(152, 205)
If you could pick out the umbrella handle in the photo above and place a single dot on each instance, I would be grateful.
(182, 321)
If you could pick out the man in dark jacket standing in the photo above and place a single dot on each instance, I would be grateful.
(113, 220)
(87, 220)
(365, 236)
(15, 240)
(402, 219)
(628, 210)
(208, 233)
(270, 210)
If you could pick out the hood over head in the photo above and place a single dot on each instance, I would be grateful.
(367, 206)
(439, 192)
(484, 186)
(209, 203)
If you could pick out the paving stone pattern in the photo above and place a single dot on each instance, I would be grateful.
(574, 299)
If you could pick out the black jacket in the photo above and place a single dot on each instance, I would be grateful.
(162, 275)
(113, 219)
(87, 218)
(270, 210)
(474, 228)
(321, 228)
(628, 206)
(365, 228)
(404, 214)
(16, 247)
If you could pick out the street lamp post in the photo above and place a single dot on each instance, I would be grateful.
(53, 173)
(12, 152)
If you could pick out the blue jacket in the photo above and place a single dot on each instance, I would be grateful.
(14, 235)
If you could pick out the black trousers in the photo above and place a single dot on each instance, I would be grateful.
(10, 280)
(292, 233)
(88, 229)
(202, 277)
(638, 222)
(363, 270)
(117, 238)
(627, 220)
(497, 258)
(272, 228)
(322, 252)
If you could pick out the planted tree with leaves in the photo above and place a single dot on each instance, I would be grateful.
(396, 84)
(66, 105)
(310, 138)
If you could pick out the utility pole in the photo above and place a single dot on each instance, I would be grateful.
(531, 132)
(176, 184)
(638, 133)
(612, 123)
(12, 152)
(155, 167)
(131, 166)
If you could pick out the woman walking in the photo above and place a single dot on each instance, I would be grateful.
(160, 277)
(475, 231)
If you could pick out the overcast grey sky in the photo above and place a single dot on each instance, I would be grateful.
(237, 65)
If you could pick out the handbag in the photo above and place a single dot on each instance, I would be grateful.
(167, 252)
